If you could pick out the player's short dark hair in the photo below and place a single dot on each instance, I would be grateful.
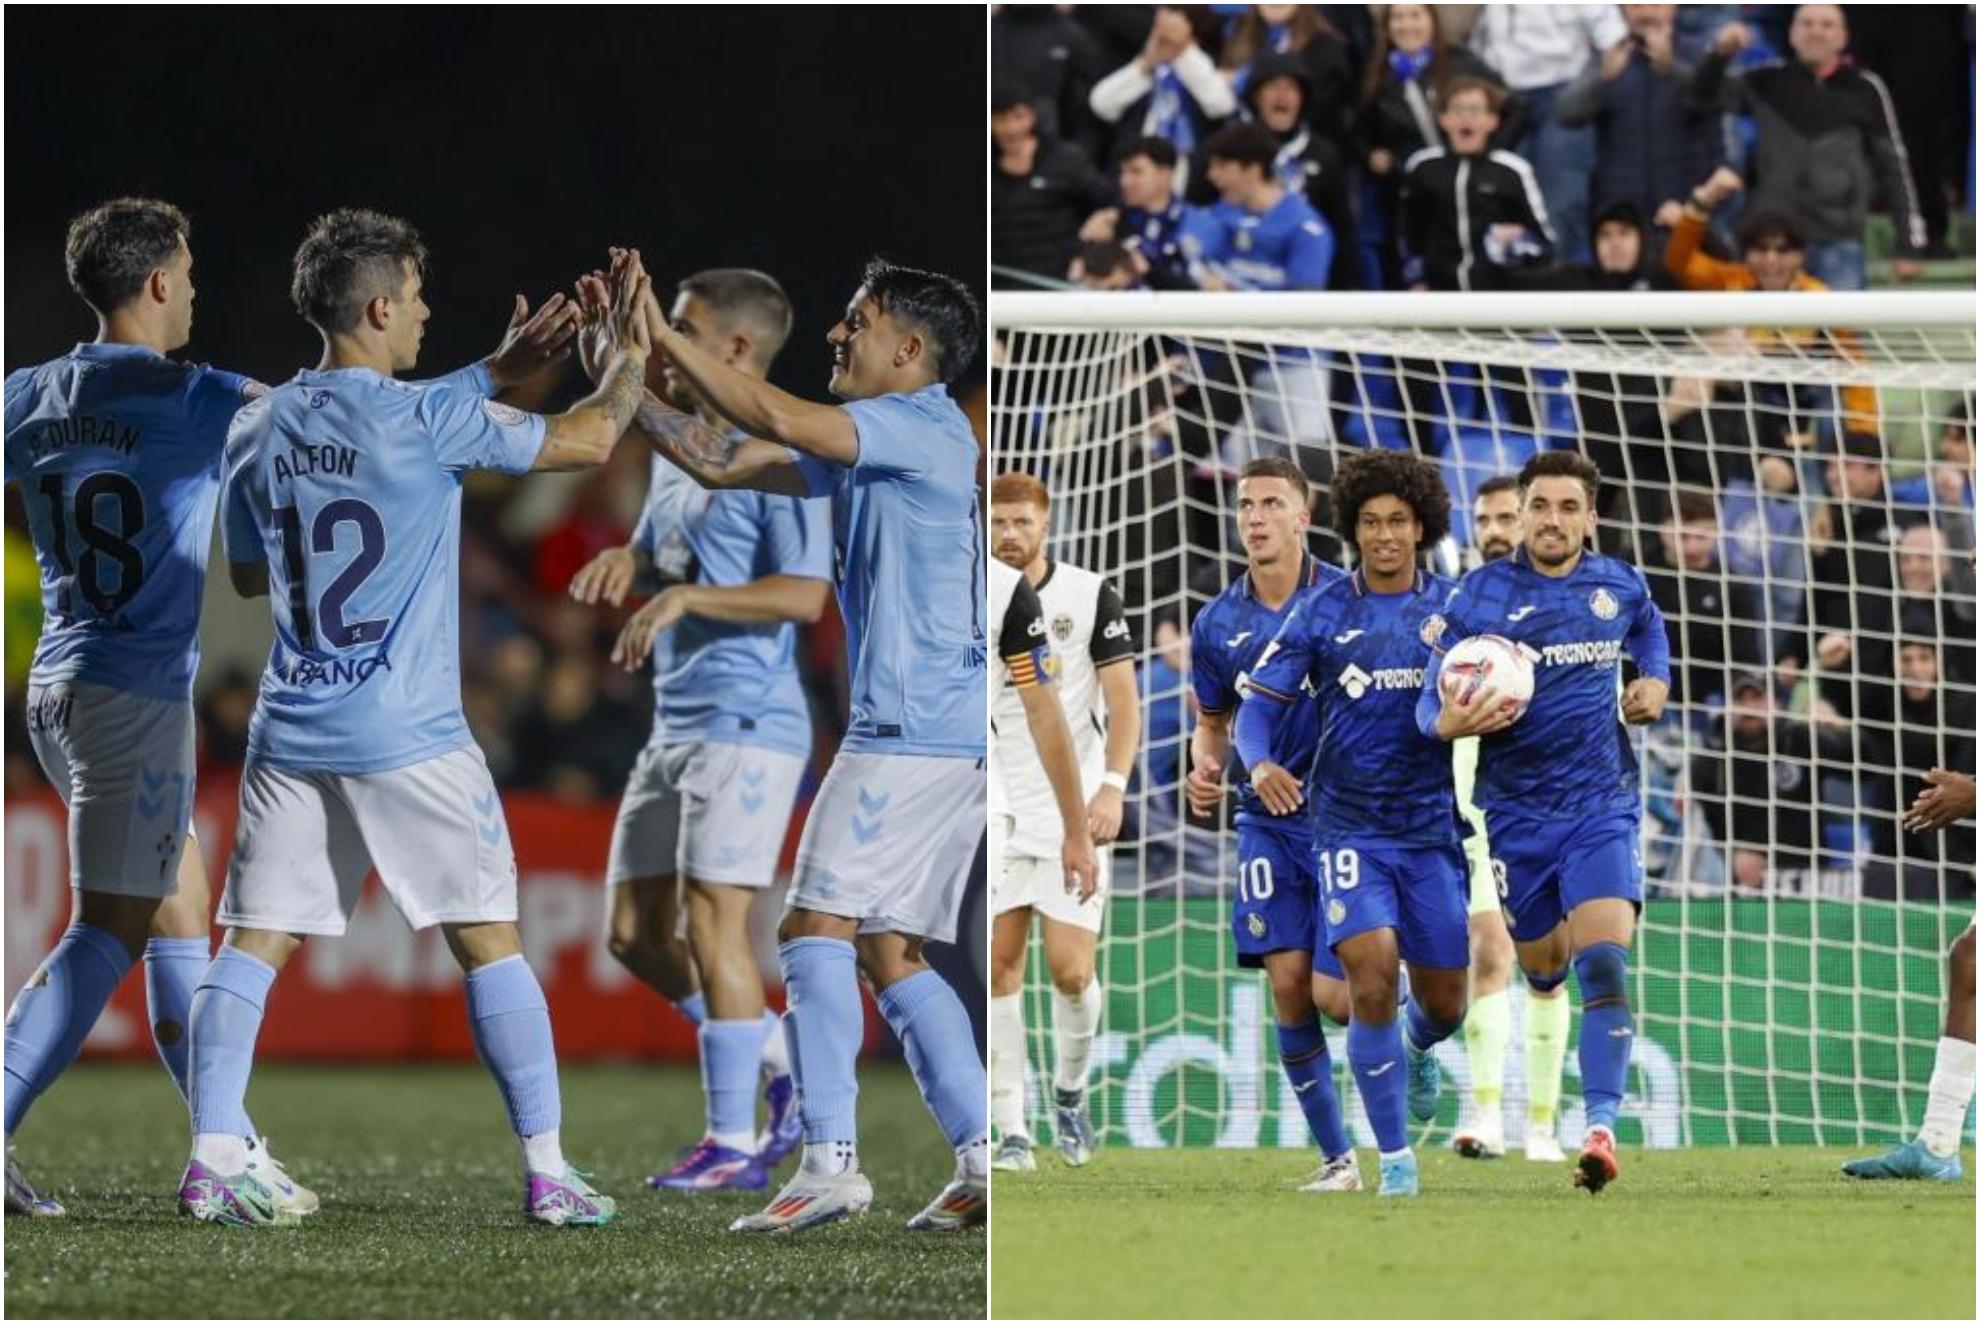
(350, 257)
(114, 247)
(752, 296)
(1246, 144)
(941, 306)
(1496, 484)
(1159, 150)
(1694, 504)
(1562, 464)
(1760, 226)
(1365, 475)
(1274, 466)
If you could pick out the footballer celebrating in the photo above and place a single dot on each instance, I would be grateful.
(1274, 910)
(704, 812)
(888, 842)
(343, 505)
(1391, 873)
(1559, 787)
(1091, 666)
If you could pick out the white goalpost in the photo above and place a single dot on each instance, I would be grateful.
(1793, 471)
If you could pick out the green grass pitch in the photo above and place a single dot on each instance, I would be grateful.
(1749, 1233)
(421, 1188)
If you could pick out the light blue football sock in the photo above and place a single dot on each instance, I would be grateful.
(511, 1024)
(731, 1054)
(1425, 1033)
(1303, 1053)
(694, 1006)
(226, 1020)
(933, 1027)
(825, 1026)
(172, 969)
(1607, 1030)
(1375, 1053)
(53, 1013)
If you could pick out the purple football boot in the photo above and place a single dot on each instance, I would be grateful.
(712, 1167)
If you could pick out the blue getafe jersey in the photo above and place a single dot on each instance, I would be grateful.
(910, 574)
(724, 680)
(117, 450)
(1225, 643)
(1287, 248)
(1361, 656)
(348, 485)
(1570, 756)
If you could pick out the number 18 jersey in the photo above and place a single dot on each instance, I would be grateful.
(348, 485)
(117, 451)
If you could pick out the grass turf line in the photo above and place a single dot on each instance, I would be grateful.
(422, 1193)
(1749, 1233)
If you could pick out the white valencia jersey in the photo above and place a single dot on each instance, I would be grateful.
(1087, 630)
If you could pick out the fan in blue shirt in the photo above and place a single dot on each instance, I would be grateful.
(1273, 912)
(1260, 235)
(1559, 788)
(898, 461)
(1382, 799)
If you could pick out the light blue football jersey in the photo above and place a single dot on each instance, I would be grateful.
(909, 549)
(117, 450)
(726, 680)
(348, 485)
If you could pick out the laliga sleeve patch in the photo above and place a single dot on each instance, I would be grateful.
(507, 415)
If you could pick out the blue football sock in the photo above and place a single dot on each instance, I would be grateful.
(1425, 1033)
(226, 1020)
(731, 1052)
(511, 1024)
(933, 1027)
(1375, 1053)
(825, 1026)
(1303, 1053)
(694, 1006)
(172, 967)
(53, 1012)
(1607, 1030)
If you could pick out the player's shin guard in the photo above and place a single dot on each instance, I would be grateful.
(731, 1055)
(226, 1020)
(1546, 1053)
(1007, 1062)
(1425, 1033)
(1487, 1031)
(933, 1027)
(1310, 1071)
(53, 1013)
(1375, 1053)
(172, 967)
(511, 1024)
(1607, 1029)
(1948, 1096)
(1075, 1020)
(821, 980)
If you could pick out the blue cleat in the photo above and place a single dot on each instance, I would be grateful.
(712, 1167)
(1426, 1081)
(784, 1129)
(1908, 1162)
(1073, 1131)
(1398, 1175)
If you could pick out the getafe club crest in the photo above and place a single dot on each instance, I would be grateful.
(1256, 924)
(1062, 627)
(1433, 629)
(1603, 604)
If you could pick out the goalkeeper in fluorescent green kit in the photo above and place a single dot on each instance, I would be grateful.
(1495, 531)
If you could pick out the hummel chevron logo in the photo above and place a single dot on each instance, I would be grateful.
(751, 801)
(1520, 615)
(485, 804)
(1237, 639)
(1349, 637)
(872, 804)
(1376, 1071)
(752, 776)
(153, 781)
(491, 832)
(864, 832)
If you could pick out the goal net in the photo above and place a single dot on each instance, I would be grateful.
(1793, 472)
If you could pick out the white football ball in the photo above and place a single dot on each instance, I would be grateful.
(1487, 668)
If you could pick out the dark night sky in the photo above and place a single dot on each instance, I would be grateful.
(521, 141)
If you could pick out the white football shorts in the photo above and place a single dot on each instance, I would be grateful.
(889, 842)
(1021, 880)
(124, 765)
(713, 811)
(306, 840)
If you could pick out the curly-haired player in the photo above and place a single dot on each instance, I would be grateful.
(1391, 871)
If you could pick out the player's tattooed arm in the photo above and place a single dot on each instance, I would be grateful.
(583, 436)
(713, 458)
